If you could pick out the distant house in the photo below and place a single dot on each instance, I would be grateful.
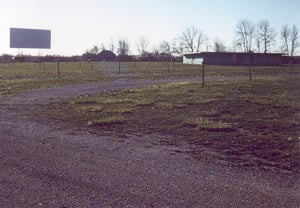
(106, 55)
(235, 58)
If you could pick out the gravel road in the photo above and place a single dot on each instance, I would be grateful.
(46, 165)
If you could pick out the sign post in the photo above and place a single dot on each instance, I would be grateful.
(291, 64)
(195, 59)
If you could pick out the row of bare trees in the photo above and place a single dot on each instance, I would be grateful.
(259, 37)
(290, 36)
(263, 36)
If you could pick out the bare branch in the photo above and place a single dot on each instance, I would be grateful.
(123, 48)
(285, 36)
(245, 31)
(142, 45)
(265, 34)
(165, 47)
(219, 45)
(294, 39)
(192, 39)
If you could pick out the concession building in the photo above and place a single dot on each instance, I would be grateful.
(234, 58)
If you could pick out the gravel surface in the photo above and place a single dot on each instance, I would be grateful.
(46, 165)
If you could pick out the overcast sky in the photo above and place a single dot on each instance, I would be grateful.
(77, 25)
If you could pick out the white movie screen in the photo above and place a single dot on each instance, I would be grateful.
(30, 38)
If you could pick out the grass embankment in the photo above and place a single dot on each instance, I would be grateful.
(246, 123)
(23, 77)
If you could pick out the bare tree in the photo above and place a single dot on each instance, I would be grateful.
(123, 47)
(164, 47)
(94, 50)
(155, 49)
(142, 45)
(285, 36)
(177, 46)
(290, 39)
(245, 32)
(111, 45)
(192, 39)
(266, 34)
(294, 39)
(219, 45)
(257, 43)
(102, 48)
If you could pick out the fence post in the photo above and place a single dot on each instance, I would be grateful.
(250, 72)
(44, 66)
(58, 70)
(250, 64)
(203, 74)
(290, 64)
(119, 66)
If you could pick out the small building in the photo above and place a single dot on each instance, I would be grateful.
(192, 58)
(235, 58)
(106, 55)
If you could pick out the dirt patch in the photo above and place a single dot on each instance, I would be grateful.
(247, 123)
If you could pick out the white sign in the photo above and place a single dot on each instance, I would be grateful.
(192, 59)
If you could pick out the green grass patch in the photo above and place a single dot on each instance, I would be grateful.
(90, 108)
(107, 121)
(207, 124)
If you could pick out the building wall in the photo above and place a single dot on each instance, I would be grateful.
(267, 59)
(288, 59)
(237, 59)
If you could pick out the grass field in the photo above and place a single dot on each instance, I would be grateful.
(245, 123)
(241, 122)
(22, 77)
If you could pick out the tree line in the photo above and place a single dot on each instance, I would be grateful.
(256, 37)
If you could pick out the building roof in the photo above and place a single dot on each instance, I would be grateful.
(106, 55)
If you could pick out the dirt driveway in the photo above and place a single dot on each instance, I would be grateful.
(46, 165)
